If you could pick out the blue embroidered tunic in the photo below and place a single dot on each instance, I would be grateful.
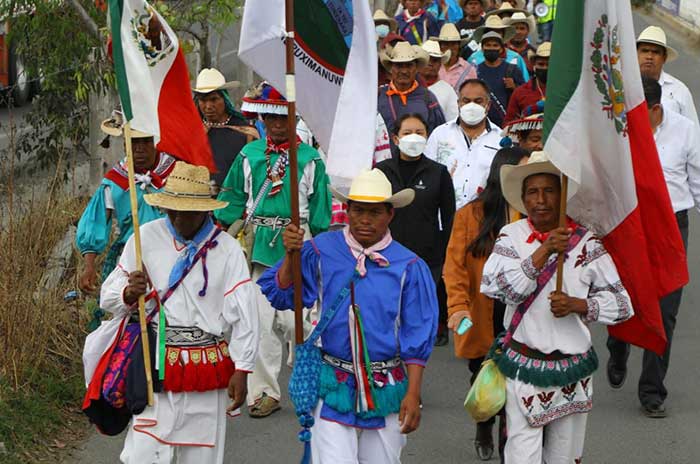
(399, 309)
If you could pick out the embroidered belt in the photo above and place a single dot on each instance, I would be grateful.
(189, 337)
(376, 366)
(274, 223)
(535, 354)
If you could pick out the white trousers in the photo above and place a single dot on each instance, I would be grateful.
(334, 443)
(563, 438)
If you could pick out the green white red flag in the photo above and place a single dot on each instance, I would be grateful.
(597, 132)
(153, 82)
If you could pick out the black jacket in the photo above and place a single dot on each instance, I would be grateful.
(416, 226)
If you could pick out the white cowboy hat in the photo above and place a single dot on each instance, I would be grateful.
(114, 126)
(656, 36)
(187, 188)
(380, 17)
(519, 17)
(513, 177)
(493, 23)
(210, 79)
(506, 7)
(403, 52)
(544, 50)
(449, 33)
(372, 186)
(432, 48)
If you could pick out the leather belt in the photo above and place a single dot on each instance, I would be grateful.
(274, 223)
(376, 366)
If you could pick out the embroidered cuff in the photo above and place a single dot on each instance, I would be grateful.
(593, 310)
(416, 361)
(529, 269)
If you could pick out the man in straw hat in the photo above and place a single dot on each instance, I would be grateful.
(227, 129)
(519, 43)
(495, 24)
(546, 354)
(111, 204)
(529, 97)
(382, 309)
(653, 52)
(444, 92)
(415, 23)
(258, 191)
(456, 70)
(403, 94)
(200, 295)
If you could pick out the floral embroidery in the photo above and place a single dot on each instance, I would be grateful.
(623, 303)
(508, 252)
(529, 269)
(587, 257)
(527, 402)
(558, 412)
(569, 391)
(593, 310)
(508, 289)
(546, 399)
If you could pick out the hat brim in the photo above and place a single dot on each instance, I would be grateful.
(445, 57)
(529, 20)
(671, 53)
(117, 131)
(509, 32)
(400, 199)
(505, 10)
(421, 60)
(226, 86)
(513, 176)
(264, 108)
(181, 203)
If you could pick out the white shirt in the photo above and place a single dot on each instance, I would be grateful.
(590, 273)
(468, 162)
(678, 144)
(675, 96)
(447, 97)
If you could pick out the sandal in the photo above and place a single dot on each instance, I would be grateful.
(264, 406)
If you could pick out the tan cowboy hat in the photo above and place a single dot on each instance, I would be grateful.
(449, 33)
(432, 48)
(493, 23)
(492, 35)
(506, 7)
(656, 36)
(464, 2)
(188, 188)
(210, 79)
(525, 18)
(513, 177)
(114, 126)
(380, 17)
(544, 50)
(403, 52)
(372, 186)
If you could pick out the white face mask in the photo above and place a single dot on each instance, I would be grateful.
(382, 30)
(472, 113)
(412, 145)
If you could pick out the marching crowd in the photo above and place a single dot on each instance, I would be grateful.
(457, 219)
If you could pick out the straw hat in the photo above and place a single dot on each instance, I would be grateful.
(492, 35)
(187, 188)
(372, 186)
(380, 17)
(264, 99)
(656, 36)
(114, 126)
(494, 23)
(518, 17)
(513, 177)
(506, 7)
(432, 48)
(403, 52)
(544, 50)
(449, 33)
(210, 79)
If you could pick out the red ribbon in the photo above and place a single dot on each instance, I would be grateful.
(542, 236)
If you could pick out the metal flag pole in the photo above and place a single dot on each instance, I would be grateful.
(139, 263)
(293, 168)
(562, 223)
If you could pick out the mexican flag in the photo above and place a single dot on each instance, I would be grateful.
(598, 133)
(336, 72)
(153, 82)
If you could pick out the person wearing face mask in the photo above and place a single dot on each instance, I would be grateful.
(532, 93)
(383, 24)
(494, 23)
(501, 77)
(424, 226)
(467, 145)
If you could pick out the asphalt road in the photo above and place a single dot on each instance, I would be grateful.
(617, 430)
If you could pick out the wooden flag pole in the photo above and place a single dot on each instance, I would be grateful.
(293, 169)
(562, 223)
(139, 263)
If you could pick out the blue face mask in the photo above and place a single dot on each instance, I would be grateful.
(382, 30)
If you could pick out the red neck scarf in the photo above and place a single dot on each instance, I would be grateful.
(278, 174)
(403, 94)
(542, 236)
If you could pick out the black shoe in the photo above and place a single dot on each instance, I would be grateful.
(483, 443)
(616, 374)
(442, 337)
(654, 411)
